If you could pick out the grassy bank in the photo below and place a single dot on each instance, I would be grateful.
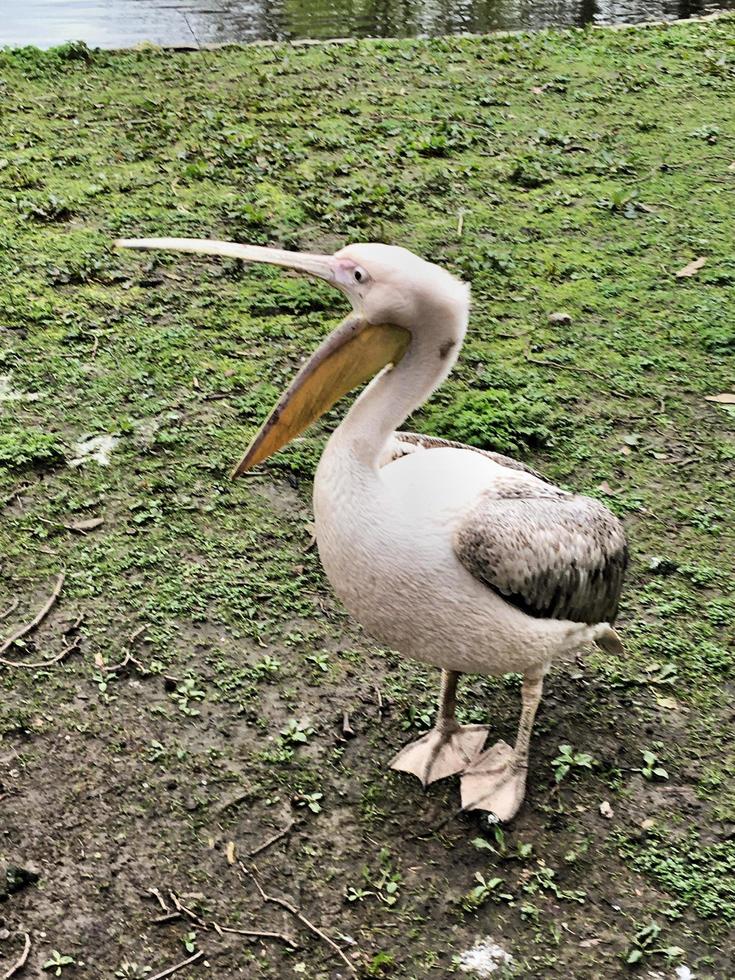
(568, 177)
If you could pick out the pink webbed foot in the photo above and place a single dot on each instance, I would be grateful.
(442, 752)
(495, 781)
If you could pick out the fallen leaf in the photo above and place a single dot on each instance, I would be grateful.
(589, 943)
(726, 398)
(648, 823)
(670, 704)
(732, 167)
(692, 268)
(230, 851)
(89, 525)
(606, 810)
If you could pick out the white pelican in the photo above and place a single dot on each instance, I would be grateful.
(452, 555)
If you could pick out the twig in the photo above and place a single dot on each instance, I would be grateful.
(380, 702)
(256, 934)
(11, 608)
(38, 618)
(347, 730)
(159, 898)
(180, 907)
(178, 966)
(460, 222)
(168, 917)
(301, 918)
(74, 645)
(21, 961)
(273, 839)
(129, 658)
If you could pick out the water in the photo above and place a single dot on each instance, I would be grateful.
(187, 23)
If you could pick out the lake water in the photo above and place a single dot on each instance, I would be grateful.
(186, 23)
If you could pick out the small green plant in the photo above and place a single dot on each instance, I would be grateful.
(381, 965)
(296, 732)
(568, 760)
(651, 769)
(186, 693)
(543, 879)
(621, 201)
(645, 943)
(416, 719)
(132, 971)
(189, 942)
(357, 894)
(501, 847)
(266, 666)
(309, 800)
(58, 962)
(320, 659)
(485, 890)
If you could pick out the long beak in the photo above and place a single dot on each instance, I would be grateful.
(315, 265)
(352, 354)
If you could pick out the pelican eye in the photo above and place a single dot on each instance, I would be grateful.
(359, 275)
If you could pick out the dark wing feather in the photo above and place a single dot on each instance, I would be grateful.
(433, 442)
(552, 554)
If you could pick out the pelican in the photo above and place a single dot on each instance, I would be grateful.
(452, 555)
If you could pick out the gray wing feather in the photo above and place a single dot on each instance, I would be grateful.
(552, 554)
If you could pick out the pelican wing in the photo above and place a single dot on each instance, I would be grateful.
(553, 554)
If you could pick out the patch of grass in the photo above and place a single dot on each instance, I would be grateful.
(566, 173)
(695, 873)
(20, 448)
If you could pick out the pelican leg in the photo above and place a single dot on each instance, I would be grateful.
(449, 747)
(496, 780)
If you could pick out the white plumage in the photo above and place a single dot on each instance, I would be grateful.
(453, 556)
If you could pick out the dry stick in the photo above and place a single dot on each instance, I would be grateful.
(25, 665)
(20, 962)
(273, 839)
(168, 917)
(301, 918)
(180, 907)
(39, 617)
(11, 608)
(256, 934)
(159, 898)
(178, 966)
(129, 658)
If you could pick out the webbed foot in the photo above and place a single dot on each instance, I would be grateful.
(495, 781)
(442, 752)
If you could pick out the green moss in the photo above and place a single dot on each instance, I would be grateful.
(21, 448)
(702, 875)
(506, 421)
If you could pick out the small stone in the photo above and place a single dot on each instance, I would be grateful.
(606, 810)
(560, 318)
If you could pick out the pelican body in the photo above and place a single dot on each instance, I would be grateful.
(454, 556)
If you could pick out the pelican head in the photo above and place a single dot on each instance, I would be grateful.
(399, 301)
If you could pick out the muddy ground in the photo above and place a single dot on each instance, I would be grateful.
(198, 709)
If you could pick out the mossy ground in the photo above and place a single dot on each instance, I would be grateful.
(564, 172)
